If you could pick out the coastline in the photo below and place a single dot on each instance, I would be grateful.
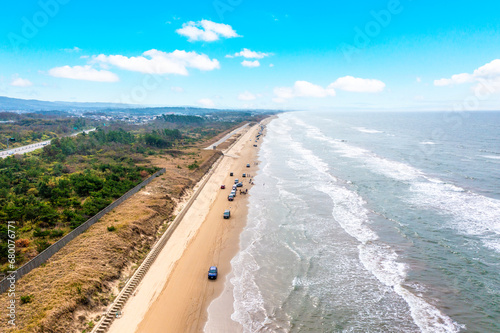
(177, 281)
(218, 312)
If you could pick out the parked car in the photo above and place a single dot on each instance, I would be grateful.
(231, 174)
(230, 197)
(236, 181)
(244, 175)
(239, 185)
(227, 214)
(248, 165)
(255, 145)
(212, 273)
(233, 193)
(222, 187)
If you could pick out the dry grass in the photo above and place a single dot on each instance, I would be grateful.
(74, 287)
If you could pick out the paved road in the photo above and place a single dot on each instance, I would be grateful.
(33, 146)
(227, 137)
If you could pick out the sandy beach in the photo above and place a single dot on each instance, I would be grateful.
(175, 293)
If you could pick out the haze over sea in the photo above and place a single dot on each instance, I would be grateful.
(373, 222)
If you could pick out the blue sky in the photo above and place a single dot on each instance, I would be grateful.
(395, 55)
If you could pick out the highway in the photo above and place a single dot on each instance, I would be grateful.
(33, 146)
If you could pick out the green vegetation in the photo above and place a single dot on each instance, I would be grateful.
(60, 187)
(32, 128)
(26, 299)
(53, 190)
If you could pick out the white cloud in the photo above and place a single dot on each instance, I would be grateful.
(159, 62)
(75, 49)
(20, 82)
(301, 89)
(246, 96)
(206, 102)
(307, 89)
(419, 79)
(86, 73)
(246, 53)
(247, 63)
(455, 79)
(177, 89)
(207, 31)
(354, 84)
(271, 65)
(489, 73)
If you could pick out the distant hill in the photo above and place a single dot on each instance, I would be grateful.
(16, 104)
(33, 105)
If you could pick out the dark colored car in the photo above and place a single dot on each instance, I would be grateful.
(239, 184)
(231, 174)
(244, 175)
(222, 187)
(227, 214)
(248, 165)
(212, 273)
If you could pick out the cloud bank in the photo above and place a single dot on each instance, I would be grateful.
(487, 74)
(206, 31)
(159, 62)
(346, 83)
(86, 73)
(20, 82)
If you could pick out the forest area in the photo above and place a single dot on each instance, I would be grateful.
(53, 190)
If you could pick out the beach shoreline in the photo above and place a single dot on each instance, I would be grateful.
(175, 294)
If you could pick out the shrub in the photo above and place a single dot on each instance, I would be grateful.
(193, 166)
(56, 233)
(40, 233)
(111, 228)
(41, 245)
(26, 299)
(23, 242)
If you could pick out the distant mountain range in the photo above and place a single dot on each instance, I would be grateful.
(33, 105)
(16, 104)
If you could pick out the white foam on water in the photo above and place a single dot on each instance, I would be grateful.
(391, 169)
(248, 301)
(473, 214)
(377, 257)
(427, 143)
(491, 157)
(367, 130)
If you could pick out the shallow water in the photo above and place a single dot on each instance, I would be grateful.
(374, 222)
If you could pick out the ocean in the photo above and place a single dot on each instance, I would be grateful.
(373, 222)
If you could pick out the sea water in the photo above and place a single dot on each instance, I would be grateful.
(373, 222)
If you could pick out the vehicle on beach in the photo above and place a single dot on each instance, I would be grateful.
(230, 197)
(248, 165)
(227, 214)
(233, 193)
(234, 187)
(231, 174)
(222, 187)
(212, 273)
(236, 181)
(239, 185)
(255, 145)
(244, 175)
